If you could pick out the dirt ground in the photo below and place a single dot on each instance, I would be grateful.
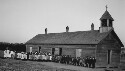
(19, 65)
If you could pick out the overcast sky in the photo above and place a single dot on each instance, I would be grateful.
(20, 20)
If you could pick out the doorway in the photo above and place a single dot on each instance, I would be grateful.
(60, 51)
(56, 51)
(53, 51)
(78, 52)
(39, 49)
(109, 54)
(31, 49)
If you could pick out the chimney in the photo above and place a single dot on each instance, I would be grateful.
(45, 30)
(92, 26)
(67, 29)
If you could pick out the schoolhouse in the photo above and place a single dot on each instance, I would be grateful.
(103, 44)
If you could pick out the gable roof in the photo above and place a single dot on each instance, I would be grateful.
(117, 38)
(79, 37)
(106, 15)
(114, 37)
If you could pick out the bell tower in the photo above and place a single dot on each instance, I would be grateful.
(106, 22)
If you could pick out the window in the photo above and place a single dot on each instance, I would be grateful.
(104, 23)
(39, 48)
(110, 23)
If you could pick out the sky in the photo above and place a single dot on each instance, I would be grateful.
(21, 20)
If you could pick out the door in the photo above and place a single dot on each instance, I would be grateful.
(78, 52)
(109, 54)
(31, 49)
(39, 49)
(60, 51)
(53, 51)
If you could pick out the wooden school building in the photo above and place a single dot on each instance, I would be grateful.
(103, 44)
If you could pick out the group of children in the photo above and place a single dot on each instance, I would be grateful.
(77, 61)
(28, 56)
(9, 54)
(47, 56)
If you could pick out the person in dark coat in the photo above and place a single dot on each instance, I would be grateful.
(28, 55)
(78, 60)
(90, 62)
(70, 59)
(53, 58)
(61, 60)
(75, 61)
(86, 62)
(16, 55)
(93, 62)
(65, 59)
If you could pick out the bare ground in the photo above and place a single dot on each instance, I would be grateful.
(19, 65)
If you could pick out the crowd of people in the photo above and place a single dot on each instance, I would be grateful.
(45, 56)
(76, 61)
(48, 57)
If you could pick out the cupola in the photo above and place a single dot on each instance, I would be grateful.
(106, 22)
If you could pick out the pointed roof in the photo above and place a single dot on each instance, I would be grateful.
(117, 38)
(106, 15)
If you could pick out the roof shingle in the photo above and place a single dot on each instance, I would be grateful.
(79, 37)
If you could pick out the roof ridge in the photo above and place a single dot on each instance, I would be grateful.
(77, 37)
(68, 32)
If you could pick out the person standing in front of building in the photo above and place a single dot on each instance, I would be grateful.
(4, 52)
(75, 61)
(93, 62)
(70, 59)
(78, 60)
(86, 61)
(90, 62)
